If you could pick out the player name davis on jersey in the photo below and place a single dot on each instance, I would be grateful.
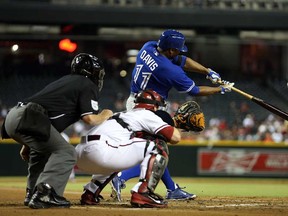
(148, 60)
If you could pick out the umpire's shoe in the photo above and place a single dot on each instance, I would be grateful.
(28, 196)
(46, 197)
(147, 200)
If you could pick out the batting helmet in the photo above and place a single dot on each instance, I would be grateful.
(149, 99)
(172, 39)
(89, 66)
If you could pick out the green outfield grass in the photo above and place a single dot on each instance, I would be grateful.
(201, 186)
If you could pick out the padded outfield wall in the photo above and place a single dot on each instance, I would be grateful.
(191, 159)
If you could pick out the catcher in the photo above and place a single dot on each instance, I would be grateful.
(188, 117)
(128, 138)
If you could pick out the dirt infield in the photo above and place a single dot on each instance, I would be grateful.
(11, 204)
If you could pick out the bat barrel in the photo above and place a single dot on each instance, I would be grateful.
(271, 108)
(262, 103)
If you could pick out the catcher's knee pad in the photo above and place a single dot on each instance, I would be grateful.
(162, 147)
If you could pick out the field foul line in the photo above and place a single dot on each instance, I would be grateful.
(116, 208)
(236, 205)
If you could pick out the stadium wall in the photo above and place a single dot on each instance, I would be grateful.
(192, 159)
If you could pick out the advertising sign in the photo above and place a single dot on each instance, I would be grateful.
(250, 162)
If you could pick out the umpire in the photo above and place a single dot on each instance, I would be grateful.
(37, 122)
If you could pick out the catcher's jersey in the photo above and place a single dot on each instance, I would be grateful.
(68, 99)
(137, 119)
(157, 72)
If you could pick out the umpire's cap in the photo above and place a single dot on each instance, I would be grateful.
(172, 39)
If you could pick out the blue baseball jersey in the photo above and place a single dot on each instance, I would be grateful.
(157, 72)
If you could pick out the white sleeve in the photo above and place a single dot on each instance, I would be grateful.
(144, 120)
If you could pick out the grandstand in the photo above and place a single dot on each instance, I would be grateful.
(244, 40)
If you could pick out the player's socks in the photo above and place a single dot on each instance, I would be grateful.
(167, 180)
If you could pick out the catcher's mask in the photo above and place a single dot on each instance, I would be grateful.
(149, 99)
(89, 66)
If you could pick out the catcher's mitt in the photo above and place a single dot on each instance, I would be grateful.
(189, 117)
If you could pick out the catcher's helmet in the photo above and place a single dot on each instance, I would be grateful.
(149, 99)
(89, 66)
(172, 39)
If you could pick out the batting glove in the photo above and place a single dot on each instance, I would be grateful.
(213, 76)
(226, 86)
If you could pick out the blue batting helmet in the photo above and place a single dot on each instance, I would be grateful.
(172, 39)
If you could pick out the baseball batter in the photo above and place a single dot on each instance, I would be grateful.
(120, 143)
(159, 66)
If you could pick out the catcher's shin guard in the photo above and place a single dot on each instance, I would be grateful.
(155, 168)
(145, 197)
(156, 171)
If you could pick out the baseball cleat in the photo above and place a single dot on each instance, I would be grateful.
(116, 185)
(89, 198)
(179, 194)
(147, 200)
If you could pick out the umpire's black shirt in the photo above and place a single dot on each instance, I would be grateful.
(68, 99)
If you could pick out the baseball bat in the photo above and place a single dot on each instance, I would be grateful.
(264, 104)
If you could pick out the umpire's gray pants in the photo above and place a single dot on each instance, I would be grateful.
(51, 161)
